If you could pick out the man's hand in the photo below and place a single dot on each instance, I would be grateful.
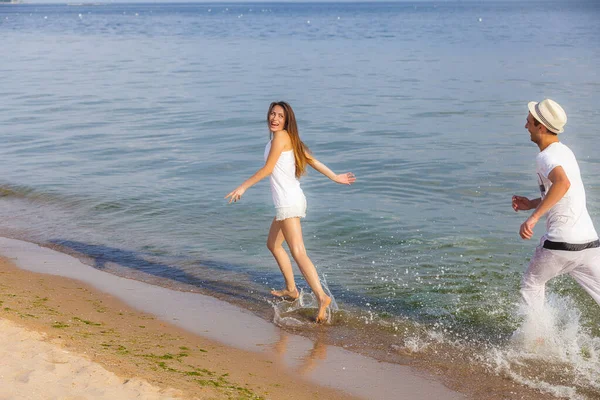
(520, 203)
(526, 230)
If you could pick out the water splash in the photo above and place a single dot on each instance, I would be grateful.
(300, 312)
(552, 347)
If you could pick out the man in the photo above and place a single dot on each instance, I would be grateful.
(570, 244)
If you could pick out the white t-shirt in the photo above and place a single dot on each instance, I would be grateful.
(568, 221)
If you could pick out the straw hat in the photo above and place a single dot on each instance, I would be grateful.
(550, 114)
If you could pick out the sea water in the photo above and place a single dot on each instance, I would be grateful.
(123, 126)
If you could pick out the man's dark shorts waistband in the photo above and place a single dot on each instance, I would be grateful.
(550, 245)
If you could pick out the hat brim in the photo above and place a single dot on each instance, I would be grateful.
(531, 105)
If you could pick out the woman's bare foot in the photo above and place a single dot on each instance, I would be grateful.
(285, 293)
(323, 304)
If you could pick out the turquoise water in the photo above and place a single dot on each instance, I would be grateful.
(124, 126)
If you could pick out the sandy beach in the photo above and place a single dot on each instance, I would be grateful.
(62, 339)
(65, 339)
(70, 331)
(38, 368)
(73, 332)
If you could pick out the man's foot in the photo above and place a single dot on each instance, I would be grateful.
(285, 293)
(323, 305)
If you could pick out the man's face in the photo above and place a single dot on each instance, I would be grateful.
(534, 131)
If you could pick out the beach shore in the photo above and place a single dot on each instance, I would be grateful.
(64, 338)
(70, 331)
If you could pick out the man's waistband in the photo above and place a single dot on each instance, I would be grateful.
(550, 245)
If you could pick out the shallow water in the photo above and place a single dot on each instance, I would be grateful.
(124, 126)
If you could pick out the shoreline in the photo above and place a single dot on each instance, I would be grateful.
(288, 364)
(136, 346)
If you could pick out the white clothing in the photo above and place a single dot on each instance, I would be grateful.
(568, 224)
(583, 266)
(568, 220)
(288, 197)
(295, 211)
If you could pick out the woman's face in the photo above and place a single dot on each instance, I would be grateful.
(276, 119)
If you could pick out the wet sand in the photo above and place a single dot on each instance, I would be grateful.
(165, 339)
(89, 331)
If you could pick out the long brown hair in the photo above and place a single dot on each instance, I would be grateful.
(301, 151)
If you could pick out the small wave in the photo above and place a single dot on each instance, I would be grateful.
(15, 191)
(28, 193)
(60, 200)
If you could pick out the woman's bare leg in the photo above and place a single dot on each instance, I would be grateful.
(292, 232)
(274, 244)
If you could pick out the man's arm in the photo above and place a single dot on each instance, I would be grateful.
(560, 186)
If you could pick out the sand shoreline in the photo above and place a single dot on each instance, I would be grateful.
(128, 342)
(79, 322)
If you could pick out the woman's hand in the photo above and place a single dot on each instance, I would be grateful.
(347, 178)
(236, 194)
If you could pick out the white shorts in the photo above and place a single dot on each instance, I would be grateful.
(295, 211)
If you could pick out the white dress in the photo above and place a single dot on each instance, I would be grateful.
(288, 197)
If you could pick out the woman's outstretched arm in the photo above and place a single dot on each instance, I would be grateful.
(277, 145)
(346, 178)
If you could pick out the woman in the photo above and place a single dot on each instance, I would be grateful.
(286, 158)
